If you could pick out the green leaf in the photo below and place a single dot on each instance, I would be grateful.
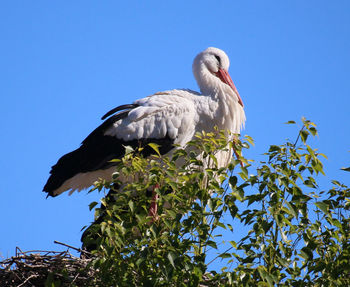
(304, 135)
(92, 205)
(290, 122)
(323, 206)
(172, 213)
(346, 168)
(155, 147)
(306, 253)
(292, 209)
(238, 193)
(128, 149)
(225, 255)
(221, 225)
(249, 139)
(274, 148)
(212, 244)
(233, 181)
(132, 206)
(313, 131)
(171, 257)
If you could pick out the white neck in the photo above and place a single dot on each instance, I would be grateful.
(229, 111)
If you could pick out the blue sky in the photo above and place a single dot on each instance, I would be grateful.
(65, 63)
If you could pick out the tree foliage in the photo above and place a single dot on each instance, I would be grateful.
(266, 223)
(285, 229)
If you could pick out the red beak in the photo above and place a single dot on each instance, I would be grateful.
(224, 76)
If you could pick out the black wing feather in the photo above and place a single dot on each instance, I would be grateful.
(97, 150)
(119, 108)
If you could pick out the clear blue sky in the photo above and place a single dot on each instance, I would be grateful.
(65, 63)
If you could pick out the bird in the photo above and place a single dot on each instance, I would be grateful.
(169, 119)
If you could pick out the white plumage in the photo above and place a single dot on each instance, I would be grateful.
(167, 118)
(171, 112)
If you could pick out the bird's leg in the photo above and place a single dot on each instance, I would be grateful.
(235, 151)
(153, 210)
(237, 155)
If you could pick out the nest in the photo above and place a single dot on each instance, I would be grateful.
(42, 268)
(37, 268)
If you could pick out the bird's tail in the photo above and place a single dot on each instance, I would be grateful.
(67, 167)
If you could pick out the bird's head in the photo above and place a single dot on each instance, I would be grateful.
(210, 69)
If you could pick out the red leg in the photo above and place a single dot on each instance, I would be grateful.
(153, 210)
(235, 151)
(237, 156)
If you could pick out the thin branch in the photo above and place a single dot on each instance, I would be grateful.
(296, 141)
(227, 250)
(72, 247)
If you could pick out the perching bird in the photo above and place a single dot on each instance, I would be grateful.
(165, 118)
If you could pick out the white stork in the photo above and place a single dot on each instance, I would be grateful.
(165, 118)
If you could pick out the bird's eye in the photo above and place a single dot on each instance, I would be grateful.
(218, 58)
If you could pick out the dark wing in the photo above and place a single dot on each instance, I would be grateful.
(97, 150)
